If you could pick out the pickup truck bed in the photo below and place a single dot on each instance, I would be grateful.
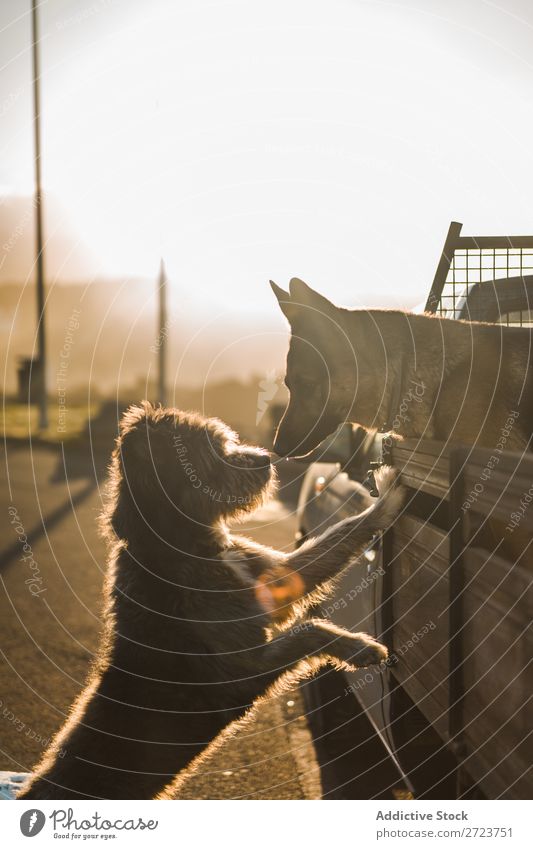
(455, 560)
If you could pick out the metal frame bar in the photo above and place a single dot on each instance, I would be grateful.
(450, 246)
(387, 613)
(457, 460)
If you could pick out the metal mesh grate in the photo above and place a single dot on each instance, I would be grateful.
(484, 274)
(469, 267)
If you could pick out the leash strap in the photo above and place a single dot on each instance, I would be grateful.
(395, 400)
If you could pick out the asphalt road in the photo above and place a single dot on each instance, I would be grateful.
(50, 621)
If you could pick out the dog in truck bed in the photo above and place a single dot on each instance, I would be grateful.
(418, 375)
(190, 641)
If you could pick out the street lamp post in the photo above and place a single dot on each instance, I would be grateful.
(162, 338)
(41, 335)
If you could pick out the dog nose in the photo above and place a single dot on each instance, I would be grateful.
(261, 460)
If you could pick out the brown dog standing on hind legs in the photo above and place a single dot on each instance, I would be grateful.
(461, 381)
(189, 643)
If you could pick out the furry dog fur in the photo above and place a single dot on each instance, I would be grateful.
(189, 642)
(459, 380)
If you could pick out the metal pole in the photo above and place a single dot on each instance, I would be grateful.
(38, 200)
(162, 337)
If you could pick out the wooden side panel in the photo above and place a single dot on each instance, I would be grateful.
(498, 674)
(420, 589)
(424, 465)
(492, 607)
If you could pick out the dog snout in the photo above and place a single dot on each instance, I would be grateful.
(260, 460)
(288, 446)
(256, 459)
(281, 448)
(287, 441)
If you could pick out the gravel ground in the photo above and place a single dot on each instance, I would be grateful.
(273, 758)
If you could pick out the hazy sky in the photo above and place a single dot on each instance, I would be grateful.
(243, 140)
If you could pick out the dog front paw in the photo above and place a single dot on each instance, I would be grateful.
(358, 650)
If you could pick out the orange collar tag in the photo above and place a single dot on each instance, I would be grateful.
(278, 588)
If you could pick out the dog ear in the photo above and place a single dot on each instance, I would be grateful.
(134, 414)
(301, 293)
(288, 309)
(143, 436)
(146, 447)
